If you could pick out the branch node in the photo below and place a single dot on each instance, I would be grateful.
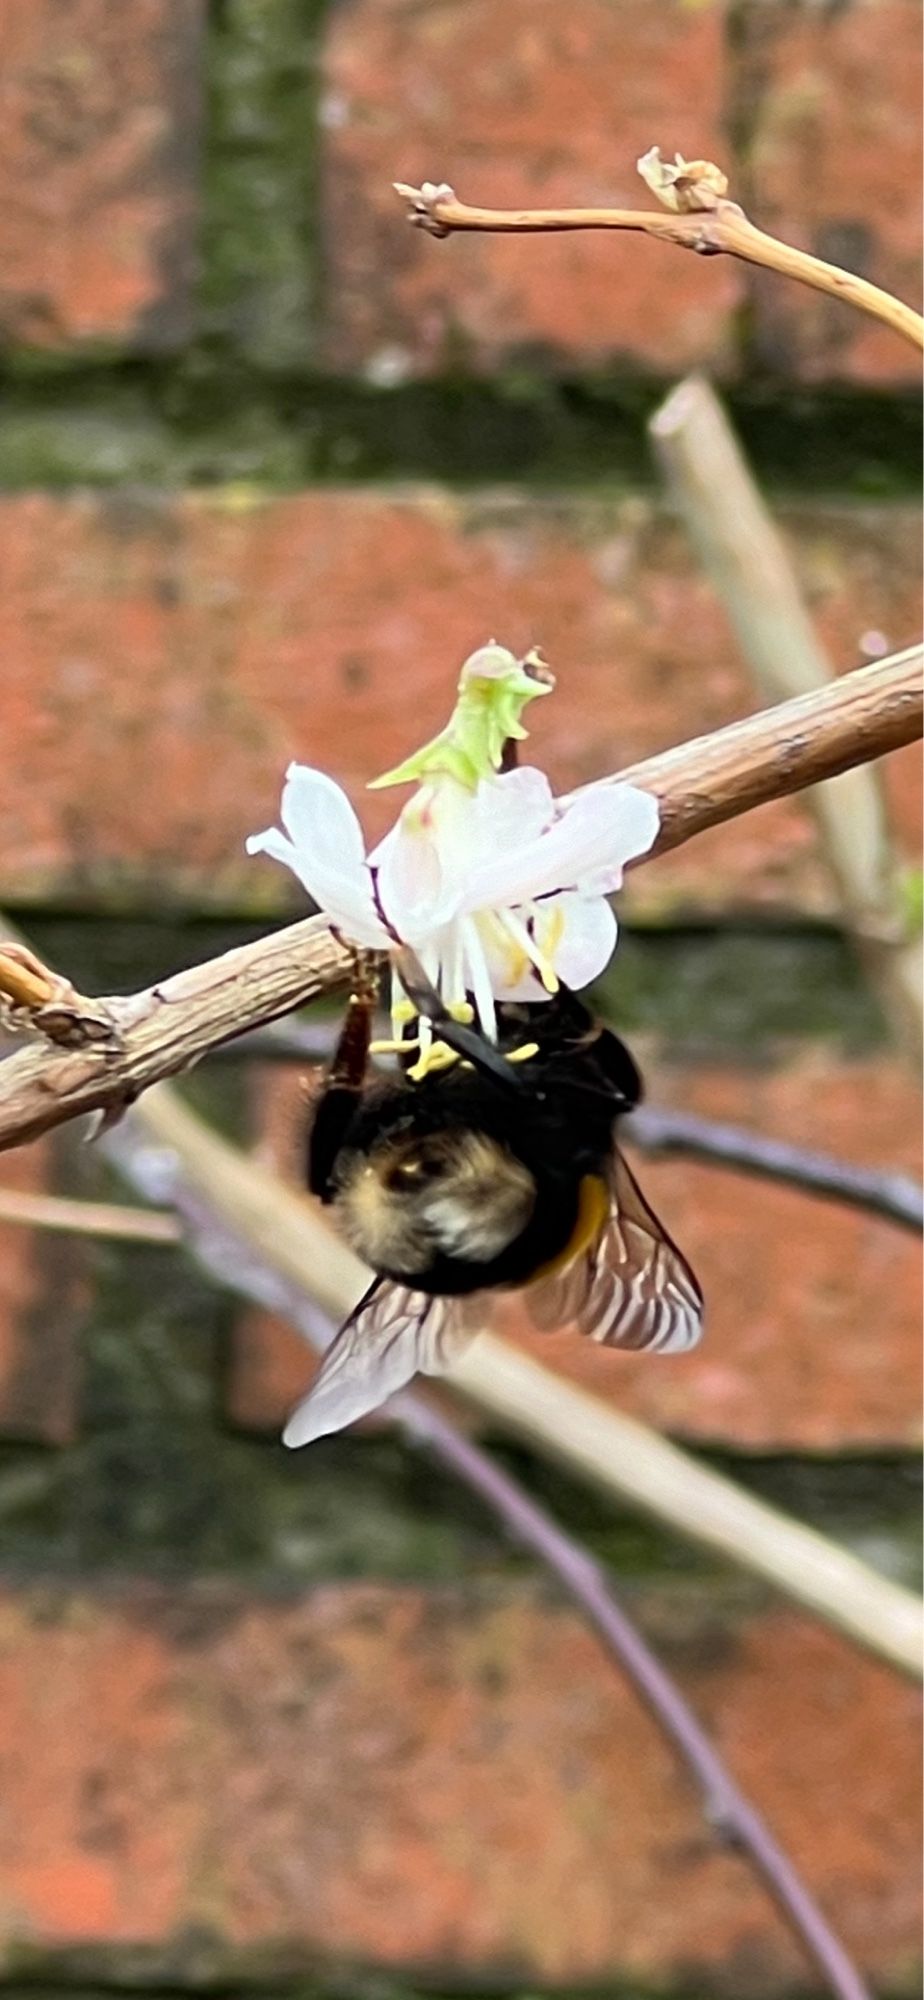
(687, 187)
(423, 203)
(35, 997)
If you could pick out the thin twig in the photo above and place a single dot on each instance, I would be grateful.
(700, 784)
(745, 557)
(87, 1218)
(218, 1245)
(726, 1808)
(620, 1455)
(723, 228)
(896, 1197)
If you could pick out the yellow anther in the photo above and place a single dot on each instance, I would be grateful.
(524, 1053)
(438, 1056)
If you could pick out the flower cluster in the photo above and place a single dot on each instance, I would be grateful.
(499, 888)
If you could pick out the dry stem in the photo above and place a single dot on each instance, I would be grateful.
(68, 1217)
(723, 228)
(218, 1245)
(747, 560)
(619, 1455)
(700, 784)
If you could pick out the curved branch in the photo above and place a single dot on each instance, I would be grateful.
(896, 1197)
(125, 1045)
(720, 229)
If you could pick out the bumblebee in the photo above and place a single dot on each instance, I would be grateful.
(495, 1170)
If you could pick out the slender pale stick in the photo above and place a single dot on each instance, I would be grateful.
(619, 1455)
(748, 562)
(87, 1218)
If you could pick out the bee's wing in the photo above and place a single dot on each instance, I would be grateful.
(391, 1335)
(632, 1287)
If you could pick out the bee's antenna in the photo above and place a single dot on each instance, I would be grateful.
(465, 1041)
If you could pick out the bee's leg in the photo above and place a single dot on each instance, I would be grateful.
(465, 1041)
(343, 1084)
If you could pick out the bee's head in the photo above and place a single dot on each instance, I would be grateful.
(413, 1198)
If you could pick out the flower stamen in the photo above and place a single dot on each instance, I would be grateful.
(437, 1055)
(522, 936)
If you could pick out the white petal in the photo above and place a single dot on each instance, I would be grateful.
(515, 807)
(639, 820)
(325, 850)
(587, 939)
(409, 882)
(317, 814)
(586, 848)
(277, 845)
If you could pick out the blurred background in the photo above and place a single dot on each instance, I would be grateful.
(272, 464)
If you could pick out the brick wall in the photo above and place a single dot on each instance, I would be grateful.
(269, 460)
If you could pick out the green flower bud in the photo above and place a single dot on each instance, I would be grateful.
(494, 687)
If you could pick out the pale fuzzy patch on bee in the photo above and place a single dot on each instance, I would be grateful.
(459, 1194)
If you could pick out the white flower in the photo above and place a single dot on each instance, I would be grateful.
(499, 889)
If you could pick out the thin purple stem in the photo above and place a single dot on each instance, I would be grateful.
(896, 1197)
(241, 1269)
(893, 1195)
(725, 1806)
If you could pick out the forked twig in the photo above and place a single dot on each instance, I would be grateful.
(721, 227)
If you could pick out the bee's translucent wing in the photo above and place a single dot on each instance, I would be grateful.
(632, 1287)
(391, 1335)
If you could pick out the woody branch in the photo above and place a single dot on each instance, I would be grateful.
(696, 215)
(100, 1054)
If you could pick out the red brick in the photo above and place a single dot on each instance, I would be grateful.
(834, 165)
(814, 1309)
(99, 114)
(164, 659)
(269, 1364)
(441, 1781)
(526, 105)
(42, 1304)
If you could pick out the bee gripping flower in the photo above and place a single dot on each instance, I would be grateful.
(497, 886)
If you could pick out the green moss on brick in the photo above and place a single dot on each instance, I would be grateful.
(258, 288)
(219, 415)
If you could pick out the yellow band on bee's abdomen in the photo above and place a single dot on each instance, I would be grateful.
(592, 1210)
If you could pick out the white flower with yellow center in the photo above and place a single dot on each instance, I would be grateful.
(499, 888)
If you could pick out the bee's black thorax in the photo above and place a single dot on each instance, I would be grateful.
(454, 1184)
